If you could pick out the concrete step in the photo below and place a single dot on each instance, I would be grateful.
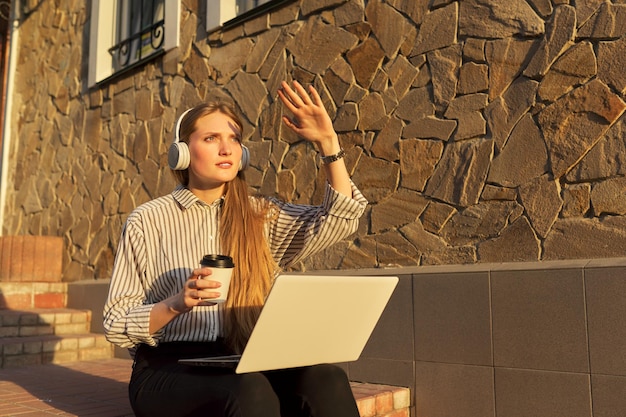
(27, 295)
(56, 349)
(40, 322)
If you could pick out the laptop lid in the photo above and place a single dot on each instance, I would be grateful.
(313, 319)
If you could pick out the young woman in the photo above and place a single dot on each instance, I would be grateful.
(161, 310)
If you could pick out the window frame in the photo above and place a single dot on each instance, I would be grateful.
(222, 14)
(103, 30)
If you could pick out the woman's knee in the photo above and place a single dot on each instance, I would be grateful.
(326, 374)
(255, 396)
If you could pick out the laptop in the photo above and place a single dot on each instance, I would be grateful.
(309, 320)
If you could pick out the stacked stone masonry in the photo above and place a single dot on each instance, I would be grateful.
(479, 130)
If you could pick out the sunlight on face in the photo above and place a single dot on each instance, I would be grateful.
(215, 149)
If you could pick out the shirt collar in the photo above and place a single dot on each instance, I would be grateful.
(186, 198)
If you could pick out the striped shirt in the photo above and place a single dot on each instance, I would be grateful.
(164, 239)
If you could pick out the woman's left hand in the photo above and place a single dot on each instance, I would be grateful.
(310, 119)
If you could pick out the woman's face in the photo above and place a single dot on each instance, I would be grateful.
(215, 149)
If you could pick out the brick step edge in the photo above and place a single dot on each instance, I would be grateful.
(39, 322)
(37, 350)
(28, 295)
(378, 400)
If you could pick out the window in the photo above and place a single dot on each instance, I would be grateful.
(246, 5)
(139, 31)
(229, 12)
(125, 33)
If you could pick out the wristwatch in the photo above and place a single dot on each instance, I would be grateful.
(332, 158)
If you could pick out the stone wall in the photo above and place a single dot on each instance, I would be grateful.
(479, 130)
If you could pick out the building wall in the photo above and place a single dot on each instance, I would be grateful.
(480, 130)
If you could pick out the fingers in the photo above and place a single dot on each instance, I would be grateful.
(297, 96)
(199, 289)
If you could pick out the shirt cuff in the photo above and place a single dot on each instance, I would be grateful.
(139, 327)
(340, 205)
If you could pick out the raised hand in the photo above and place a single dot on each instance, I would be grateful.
(309, 119)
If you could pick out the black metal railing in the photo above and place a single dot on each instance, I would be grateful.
(139, 46)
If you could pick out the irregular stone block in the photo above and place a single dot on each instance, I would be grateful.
(492, 192)
(504, 113)
(576, 66)
(347, 118)
(560, 32)
(508, 169)
(377, 179)
(372, 112)
(231, 57)
(317, 45)
(576, 200)
(544, 7)
(444, 66)
(608, 21)
(402, 74)
(249, 92)
(611, 63)
(401, 208)
(573, 124)
(606, 159)
(386, 144)
(505, 58)
(421, 239)
(389, 26)
(365, 60)
(438, 30)
(473, 78)
(498, 19)
(479, 222)
(609, 197)
(474, 50)
(436, 215)
(460, 174)
(466, 104)
(415, 105)
(542, 201)
(470, 125)
(392, 250)
(516, 243)
(580, 238)
(414, 9)
(418, 159)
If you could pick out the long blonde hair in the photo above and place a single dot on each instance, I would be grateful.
(242, 236)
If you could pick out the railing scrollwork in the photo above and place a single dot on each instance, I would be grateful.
(139, 46)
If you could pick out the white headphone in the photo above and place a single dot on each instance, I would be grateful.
(178, 157)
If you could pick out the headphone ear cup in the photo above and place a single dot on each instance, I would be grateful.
(245, 158)
(178, 157)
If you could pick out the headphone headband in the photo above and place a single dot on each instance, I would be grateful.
(178, 123)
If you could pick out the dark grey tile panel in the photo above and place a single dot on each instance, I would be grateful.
(530, 393)
(606, 312)
(539, 320)
(609, 395)
(393, 336)
(452, 318)
(451, 390)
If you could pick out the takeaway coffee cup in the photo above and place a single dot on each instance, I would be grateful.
(222, 268)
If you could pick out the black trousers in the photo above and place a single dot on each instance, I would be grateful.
(160, 386)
